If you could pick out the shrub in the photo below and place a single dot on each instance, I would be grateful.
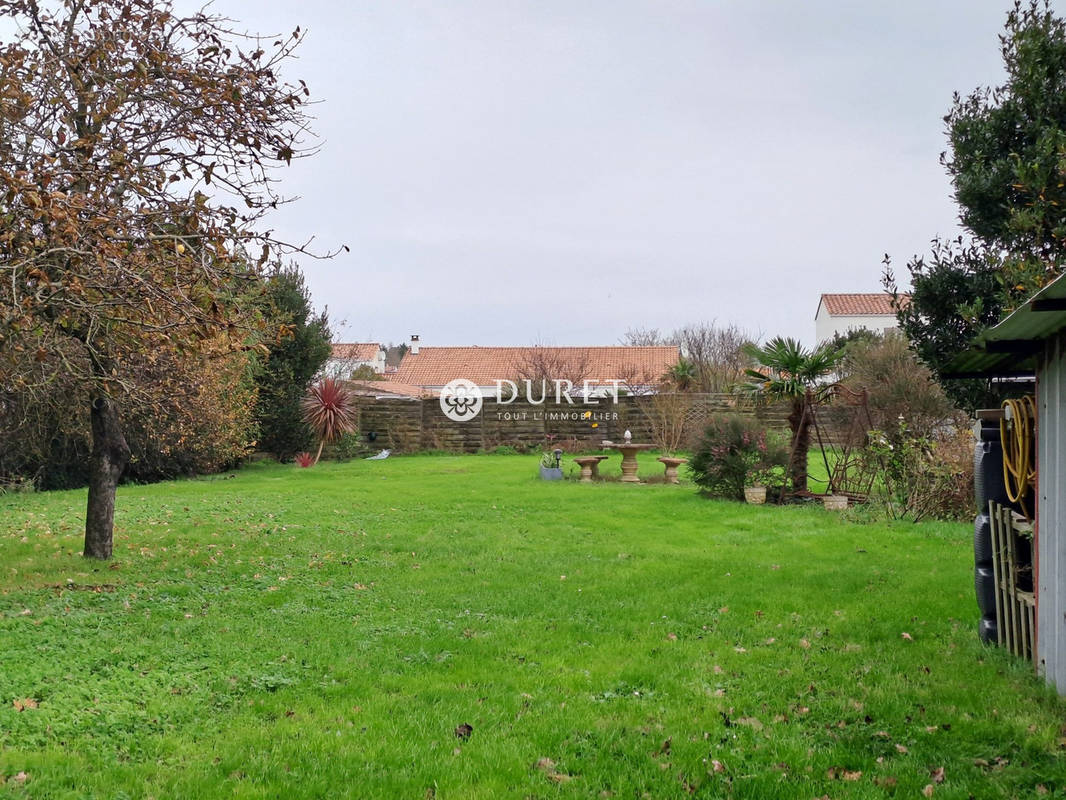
(299, 350)
(190, 414)
(733, 448)
(897, 384)
(348, 446)
(921, 476)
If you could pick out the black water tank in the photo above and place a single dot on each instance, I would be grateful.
(984, 584)
(988, 485)
(988, 472)
(988, 630)
(982, 541)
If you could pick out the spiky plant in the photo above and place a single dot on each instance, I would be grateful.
(305, 460)
(329, 410)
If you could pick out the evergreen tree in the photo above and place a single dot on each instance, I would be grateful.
(1007, 162)
(296, 355)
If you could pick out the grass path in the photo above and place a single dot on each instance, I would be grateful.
(310, 633)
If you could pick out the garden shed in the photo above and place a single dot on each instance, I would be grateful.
(1031, 343)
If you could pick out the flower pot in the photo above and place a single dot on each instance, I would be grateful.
(835, 502)
(551, 473)
(756, 495)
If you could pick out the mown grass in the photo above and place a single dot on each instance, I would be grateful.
(312, 633)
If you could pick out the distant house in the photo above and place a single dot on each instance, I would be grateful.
(841, 313)
(348, 357)
(632, 370)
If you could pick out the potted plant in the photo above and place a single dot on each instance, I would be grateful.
(835, 502)
(550, 466)
(755, 494)
(759, 478)
(767, 473)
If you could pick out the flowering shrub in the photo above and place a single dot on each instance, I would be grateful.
(735, 451)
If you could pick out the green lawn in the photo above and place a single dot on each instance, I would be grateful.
(312, 633)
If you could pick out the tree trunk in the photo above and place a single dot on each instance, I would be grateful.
(801, 440)
(109, 457)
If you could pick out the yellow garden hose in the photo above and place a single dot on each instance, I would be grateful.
(1017, 431)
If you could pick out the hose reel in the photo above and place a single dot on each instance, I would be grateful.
(1017, 431)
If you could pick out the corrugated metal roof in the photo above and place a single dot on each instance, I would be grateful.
(1010, 348)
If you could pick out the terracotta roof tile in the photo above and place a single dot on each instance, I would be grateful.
(356, 351)
(382, 388)
(437, 366)
(860, 305)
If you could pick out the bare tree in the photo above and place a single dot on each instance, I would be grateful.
(716, 353)
(645, 337)
(667, 411)
(542, 366)
(638, 381)
(138, 153)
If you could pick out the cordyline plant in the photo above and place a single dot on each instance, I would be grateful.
(138, 149)
(329, 410)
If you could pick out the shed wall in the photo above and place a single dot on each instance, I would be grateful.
(1051, 544)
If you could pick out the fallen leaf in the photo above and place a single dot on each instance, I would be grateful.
(805, 644)
(937, 775)
(907, 636)
(751, 722)
(463, 731)
(671, 637)
(717, 766)
(851, 776)
(928, 790)
(901, 748)
(26, 704)
(547, 766)
(20, 778)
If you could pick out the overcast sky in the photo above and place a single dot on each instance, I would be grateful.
(557, 171)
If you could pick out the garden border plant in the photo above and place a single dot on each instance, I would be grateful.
(735, 450)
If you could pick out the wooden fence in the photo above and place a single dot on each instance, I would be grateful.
(1015, 607)
(406, 426)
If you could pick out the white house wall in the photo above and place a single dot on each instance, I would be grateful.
(826, 325)
(1051, 544)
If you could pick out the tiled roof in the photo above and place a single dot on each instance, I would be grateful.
(357, 351)
(860, 305)
(437, 366)
(386, 388)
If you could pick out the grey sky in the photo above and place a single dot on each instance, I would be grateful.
(557, 171)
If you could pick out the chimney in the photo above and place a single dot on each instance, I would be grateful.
(414, 344)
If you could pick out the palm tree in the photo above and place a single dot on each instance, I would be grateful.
(788, 371)
(682, 374)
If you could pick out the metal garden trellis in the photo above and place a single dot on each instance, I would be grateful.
(842, 440)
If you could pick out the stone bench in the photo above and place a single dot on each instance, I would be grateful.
(590, 467)
(671, 465)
